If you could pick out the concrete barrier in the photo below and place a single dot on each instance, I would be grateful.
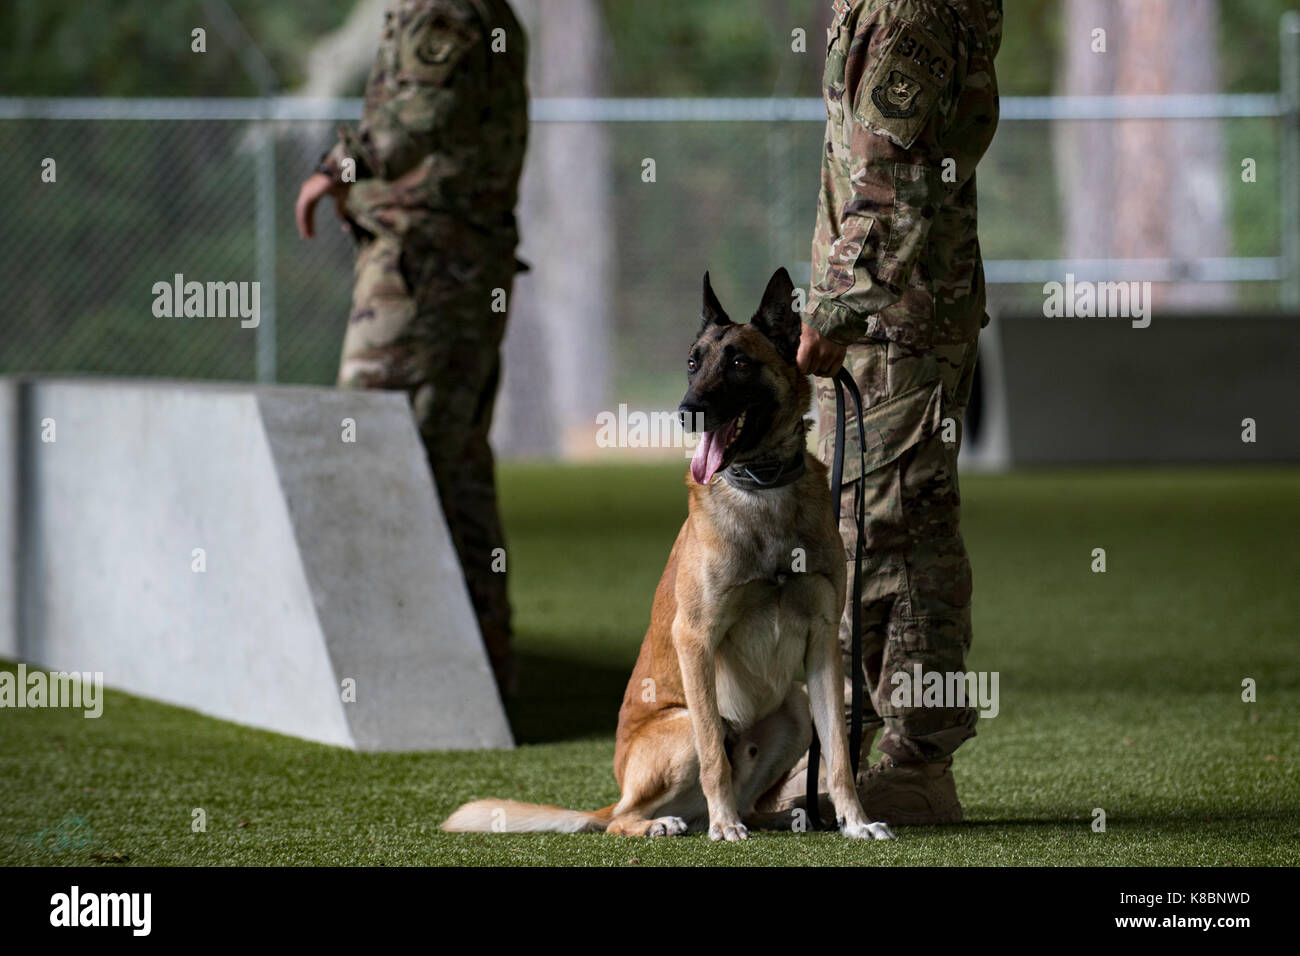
(228, 549)
(1099, 390)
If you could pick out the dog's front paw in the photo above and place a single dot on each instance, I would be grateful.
(666, 827)
(728, 831)
(868, 831)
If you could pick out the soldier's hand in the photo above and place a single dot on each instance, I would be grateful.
(819, 355)
(314, 188)
(340, 195)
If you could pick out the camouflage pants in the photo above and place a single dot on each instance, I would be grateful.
(426, 325)
(916, 577)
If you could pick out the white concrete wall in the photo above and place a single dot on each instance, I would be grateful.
(325, 560)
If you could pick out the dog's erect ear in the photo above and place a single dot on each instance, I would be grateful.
(713, 313)
(776, 317)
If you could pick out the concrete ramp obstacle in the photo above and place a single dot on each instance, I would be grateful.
(259, 554)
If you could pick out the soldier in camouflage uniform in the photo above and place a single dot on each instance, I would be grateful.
(898, 298)
(436, 162)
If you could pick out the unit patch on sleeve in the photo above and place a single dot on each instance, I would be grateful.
(900, 94)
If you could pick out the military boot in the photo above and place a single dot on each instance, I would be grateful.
(910, 794)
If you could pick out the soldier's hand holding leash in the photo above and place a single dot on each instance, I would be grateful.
(819, 355)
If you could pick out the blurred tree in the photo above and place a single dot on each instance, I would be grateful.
(665, 48)
(143, 47)
(1144, 189)
(339, 62)
(559, 348)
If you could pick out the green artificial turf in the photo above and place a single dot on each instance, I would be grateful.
(1119, 691)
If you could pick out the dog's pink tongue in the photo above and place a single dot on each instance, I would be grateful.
(708, 454)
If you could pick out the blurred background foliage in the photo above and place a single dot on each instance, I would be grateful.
(664, 48)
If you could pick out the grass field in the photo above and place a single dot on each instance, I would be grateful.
(1119, 691)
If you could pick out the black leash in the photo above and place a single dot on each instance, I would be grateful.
(843, 380)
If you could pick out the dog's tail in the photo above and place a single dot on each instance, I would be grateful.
(510, 816)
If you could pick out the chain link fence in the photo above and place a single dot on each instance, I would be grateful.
(135, 202)
(143, 191)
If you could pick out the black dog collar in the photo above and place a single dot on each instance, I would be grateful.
(765, 474)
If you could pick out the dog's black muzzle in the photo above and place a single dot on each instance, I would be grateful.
(693, 414)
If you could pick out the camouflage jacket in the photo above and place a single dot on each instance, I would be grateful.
(911, 104)
(445, 122)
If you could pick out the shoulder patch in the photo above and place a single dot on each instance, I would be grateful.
(899, 95)
(432, 44)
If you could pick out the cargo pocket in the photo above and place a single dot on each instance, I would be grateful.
(381, 292)
(934, 717)
(891, 427)
(380, 347)
(924, 644)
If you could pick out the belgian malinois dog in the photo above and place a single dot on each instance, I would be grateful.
(713, 717)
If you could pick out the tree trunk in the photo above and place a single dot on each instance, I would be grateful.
(339, 59)
(1144, 189)
(558, 351)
